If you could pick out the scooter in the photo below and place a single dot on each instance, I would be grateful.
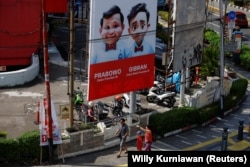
(157, 89)
(159, 96)
(126, 101)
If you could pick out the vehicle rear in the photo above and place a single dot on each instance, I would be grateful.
(241, 19)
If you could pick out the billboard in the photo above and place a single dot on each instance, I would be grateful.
(56, 6)
(121, 46)
(189, 28)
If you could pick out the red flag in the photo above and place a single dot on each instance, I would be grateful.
(56, 6)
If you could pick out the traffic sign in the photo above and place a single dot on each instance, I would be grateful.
(231, 24)
(231, 15)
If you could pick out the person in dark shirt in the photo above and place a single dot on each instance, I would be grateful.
(122, 133)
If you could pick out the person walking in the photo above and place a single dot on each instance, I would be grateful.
(148, 137)
(139, 140)
(122, 133)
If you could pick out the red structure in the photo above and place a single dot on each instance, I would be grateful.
(21, 29)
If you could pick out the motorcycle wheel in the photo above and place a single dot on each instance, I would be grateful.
(138, 107)
(124, 101)
(171, 102)
(117, 113)
(150, 99)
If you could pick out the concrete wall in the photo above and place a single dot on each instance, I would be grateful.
(209, 94)
(20, 77)
(86, 141)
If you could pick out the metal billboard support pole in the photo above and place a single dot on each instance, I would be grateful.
(132, 107)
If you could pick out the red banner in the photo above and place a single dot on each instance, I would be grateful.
(115, 77)
(56, 6)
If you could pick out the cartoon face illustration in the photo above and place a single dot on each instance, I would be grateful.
(111, 29)
(138, 27)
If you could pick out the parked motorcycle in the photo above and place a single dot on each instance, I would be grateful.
(78, 104)
(78, 99)
(158, 95)
(101, 109)
(126, 101)
(117, 106)
(91, 114)
(83, 113)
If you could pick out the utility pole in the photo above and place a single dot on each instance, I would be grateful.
(47, 84)
(222, 56)
(87, 41)
(72, 55)
(169, 31)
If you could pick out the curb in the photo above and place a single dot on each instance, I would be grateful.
(234, 6)
(205, 123)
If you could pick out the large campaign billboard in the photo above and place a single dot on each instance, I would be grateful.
(121, 46)
(189, 29)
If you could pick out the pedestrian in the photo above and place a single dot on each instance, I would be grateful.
(122, 133)
(139, 140)
(148, 137)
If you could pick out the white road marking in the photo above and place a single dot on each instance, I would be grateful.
(182, 137)
(167, 145)
(186, 142)
(197, 131)
(201, 136)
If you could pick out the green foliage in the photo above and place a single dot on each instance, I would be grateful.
(212, 38)
(239, 88)
(245, 56)
(163, 15)
(29, 144)
(175, 119)
(10, 151)
(182, 117)
(208, 112)
(82, 126)
(210, 55)
(160, 33)
(3, 134)
(209, 64)
(238, 2)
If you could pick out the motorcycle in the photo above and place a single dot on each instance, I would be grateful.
(117, 106)
(83, 113)
(101, 109)
(126, 101)
(78, 99)
(158, 95)
(78, 102)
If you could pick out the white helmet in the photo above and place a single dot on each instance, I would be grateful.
(91, 103)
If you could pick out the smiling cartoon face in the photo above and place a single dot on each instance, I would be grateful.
(111, 29)
(138, 27)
